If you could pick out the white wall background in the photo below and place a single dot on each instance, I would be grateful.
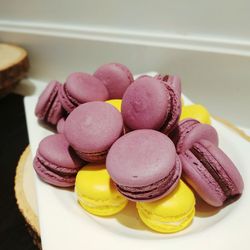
(221, 19)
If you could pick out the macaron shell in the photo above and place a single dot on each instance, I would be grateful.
(139, 147)
(227, 164)
(93, 127)
(49, 108)
(145, 104)
(56, 111)
(56, 150)
(45, 99)
(84, 87)
(60, 126)
(170, 214)
(51, 177)
(173, 80)
(202, 182)
(190, 131)
(174, 112)
(96, 191)
(200, 132)
(196, 111)
(207, 186)
(116, 77)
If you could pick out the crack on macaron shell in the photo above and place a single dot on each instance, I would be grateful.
(173, 113)
(154, 190)
(216, 170)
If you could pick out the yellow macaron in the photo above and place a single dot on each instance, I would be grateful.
(117, 103)
(96, 192)
(170, 214)
(196, 111)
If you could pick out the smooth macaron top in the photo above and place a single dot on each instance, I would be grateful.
(56, 150)
(145, 104)
(93, 127)
(116, 77)
(140, 158)
(84, 87)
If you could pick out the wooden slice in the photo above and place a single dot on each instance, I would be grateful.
(14, 65)
(26, 195)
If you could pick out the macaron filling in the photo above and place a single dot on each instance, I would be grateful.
(65, 100)
(217, 171)
(55, 111)
(53, 177)
(154, 190)
(51, 107)
(173, 112)
(92, 157)
(62, 171)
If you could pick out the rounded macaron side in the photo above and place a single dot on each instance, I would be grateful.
(92, 128)
(80, 88)
(189, 131)
(173, 80)
(96, 192)
(116, 77)
(49, 108)
(170, 214)
(211, 173)
(55, 162)
(141, 172)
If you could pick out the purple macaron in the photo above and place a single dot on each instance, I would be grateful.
(190, 131)
(116, 77)
(149, 103)
(60, 126)
(144, 165)
(173, 80)
(80, 88)
(92, 128)
(49, 108)
(55, 162)
(211, 173)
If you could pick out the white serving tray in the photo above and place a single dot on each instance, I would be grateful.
(65, 225)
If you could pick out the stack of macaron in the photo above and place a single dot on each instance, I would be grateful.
(120, 139)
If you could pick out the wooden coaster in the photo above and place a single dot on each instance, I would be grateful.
(26, 195)
(14, 66)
